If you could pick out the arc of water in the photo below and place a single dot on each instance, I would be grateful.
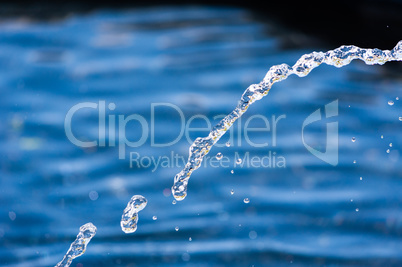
(338, 57)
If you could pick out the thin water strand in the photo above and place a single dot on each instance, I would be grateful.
(78, 247)
(338, 57)
(129, 219)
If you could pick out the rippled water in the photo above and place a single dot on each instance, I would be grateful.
(200, 59)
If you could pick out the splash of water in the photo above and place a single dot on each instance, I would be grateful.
(78, 247)
(129, 219)
(338, 57)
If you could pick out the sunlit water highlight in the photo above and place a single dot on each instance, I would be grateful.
(338, 57)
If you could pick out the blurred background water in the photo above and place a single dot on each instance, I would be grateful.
(200, 59)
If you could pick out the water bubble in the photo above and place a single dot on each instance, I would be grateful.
(353, 139)
(177, 228)
(219, 156)
(388, 150)
(246, 200)
(190, 239)
(228, 144)
(232, 192)
(154, 218)
(79, 246)
(391, 103)
(238, 161)
(357, 210)
(129, 218)
(390, 144)
(174, 202)
(232, 171)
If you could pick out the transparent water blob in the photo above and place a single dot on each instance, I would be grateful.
(129, 219)
(79, 246)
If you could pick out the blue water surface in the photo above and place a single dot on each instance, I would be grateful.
(199, 60)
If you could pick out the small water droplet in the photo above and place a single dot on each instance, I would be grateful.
(177, 228)
(391, 103)
(357, 210)
(154, 218)
(351, 200)
(382, 137)
(397, 98)
(228, 144)
(190, 239)
(246, 200)
(232, 171)
(361, 178)
(354, 162)
(238, 161)
(219, 156)
(232, 192)
(400, 118)
(353, 139)
(388, 150)
(174, 202)
(390, 144)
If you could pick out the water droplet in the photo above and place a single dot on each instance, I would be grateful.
(391, 103)
(129, 218)
(93, 195)
(232, 192)
(361, 178)
(252, 234)
(353, 139)
(12, 215)
(78, 247)
(351, 200)
(390, 144)
(174, 202)
(238, 161)
(354, 162)
(219, 156)
(232, 171)
(154, 218)
(176, 228)
(397, 98)
(400, 118)
(357, 210)
(246, 200)
(190, 239)
(228, 144)
(382, 137)
(388, 150)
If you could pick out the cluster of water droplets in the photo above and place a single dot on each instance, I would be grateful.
(129, 219)
(338, 57)
(78, 247)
